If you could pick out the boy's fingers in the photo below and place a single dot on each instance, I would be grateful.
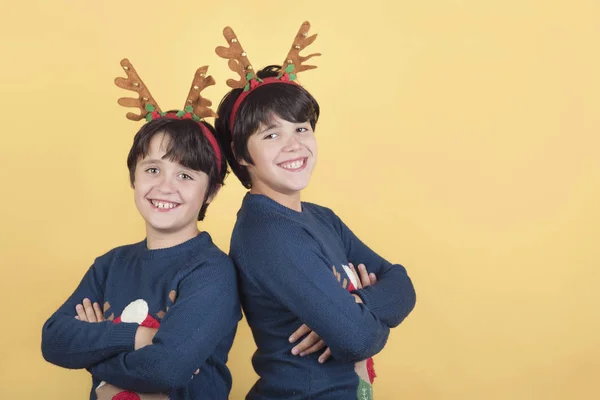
(326, 354)
(81, 313)
(303, 330)
(98, 312)
(315, 347)
(306, 343)
(373, 278)
(89, 310)
(364, 275)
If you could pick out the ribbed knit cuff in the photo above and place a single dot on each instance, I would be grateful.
(122, 336)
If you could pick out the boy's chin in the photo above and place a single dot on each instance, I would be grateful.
(291, 190)
(296, 186)
(163, 226)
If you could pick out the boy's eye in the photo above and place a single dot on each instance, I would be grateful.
(271, 136)
(152, 170)
(185, 176)
(301, 129)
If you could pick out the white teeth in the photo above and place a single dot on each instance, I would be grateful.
(163, 205)
(293, 165)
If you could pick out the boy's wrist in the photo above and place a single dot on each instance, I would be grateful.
(144, 337)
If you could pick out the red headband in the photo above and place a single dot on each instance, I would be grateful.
(253, 85)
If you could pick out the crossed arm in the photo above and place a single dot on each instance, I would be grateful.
(205, 312)
(91, 312)
(387, 290)
(311, 341)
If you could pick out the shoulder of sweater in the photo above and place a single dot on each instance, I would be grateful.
(263, 223)
(119, 252)
(323, 213)
(211, 256)
(318, 209)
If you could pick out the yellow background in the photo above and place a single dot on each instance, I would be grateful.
(459, 138)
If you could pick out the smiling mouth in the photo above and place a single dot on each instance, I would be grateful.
(294, 165)
(163, 205)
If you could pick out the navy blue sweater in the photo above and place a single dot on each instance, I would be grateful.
(286, 262)
(189, 291)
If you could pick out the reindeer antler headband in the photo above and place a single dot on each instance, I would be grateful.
(196, 107)
(238, 62)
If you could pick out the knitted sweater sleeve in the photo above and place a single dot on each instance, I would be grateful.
(71, 343)
(206, 310)
(286, 263)
(393, 297)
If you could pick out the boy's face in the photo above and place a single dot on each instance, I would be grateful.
(167, 194)
(284, 155)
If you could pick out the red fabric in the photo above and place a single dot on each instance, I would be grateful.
(126, 396)
(253, 85)
(371, 370)
(150, 322)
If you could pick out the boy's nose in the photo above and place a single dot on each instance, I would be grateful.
(165, 185)
(293, 143)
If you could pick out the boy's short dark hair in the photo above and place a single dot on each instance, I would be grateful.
(292, 103)
(187, 145)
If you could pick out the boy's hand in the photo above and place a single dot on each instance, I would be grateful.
(89, 312)
(311, 343)
(363, 278)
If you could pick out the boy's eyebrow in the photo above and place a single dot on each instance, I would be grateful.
(150, 161)
(158, 161)
(270, 126)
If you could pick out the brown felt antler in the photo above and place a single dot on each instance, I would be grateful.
(238, 61)
(194, 99)
(134, 83)
(301, 41)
